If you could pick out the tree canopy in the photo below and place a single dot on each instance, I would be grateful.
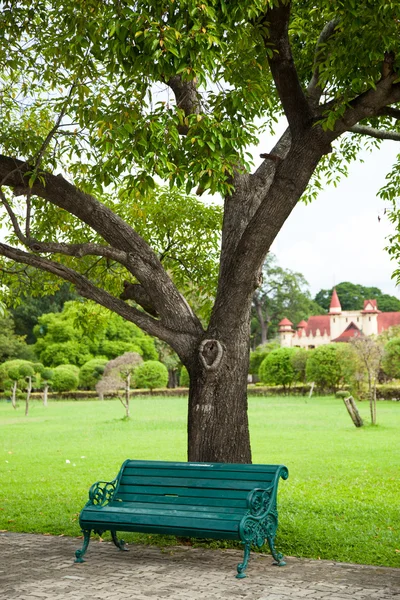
(352, 296)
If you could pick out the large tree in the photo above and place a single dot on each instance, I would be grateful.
(352, 296)
(84, 131)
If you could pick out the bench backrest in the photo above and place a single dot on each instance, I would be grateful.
(199, 484)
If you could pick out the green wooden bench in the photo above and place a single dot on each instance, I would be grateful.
(202, 500)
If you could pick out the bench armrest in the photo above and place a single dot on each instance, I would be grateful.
(102, 492)
(259, 500)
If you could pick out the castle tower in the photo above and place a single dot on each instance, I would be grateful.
(335, 310)
(370, 314)
(286, 333)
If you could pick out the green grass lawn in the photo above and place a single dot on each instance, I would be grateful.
(341, 501)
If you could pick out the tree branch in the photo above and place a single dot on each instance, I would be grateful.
(181, 342)
(375, 133)
(187, 98)
(295, 104)
(143, 263)
(314, 90)
(136, 292)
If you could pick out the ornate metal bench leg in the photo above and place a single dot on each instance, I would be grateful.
(81, 553)
(119, 543)
(243, 565)
(277, 555)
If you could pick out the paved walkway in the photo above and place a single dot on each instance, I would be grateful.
(37, 566)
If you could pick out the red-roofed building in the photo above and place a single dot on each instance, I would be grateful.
(338, 325)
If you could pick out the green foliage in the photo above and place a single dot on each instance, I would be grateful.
(277, 367)
(283, 293)
(30, 308)
(90, 372)
(26, 371)
(331, 366)
(64, 379)
(184, 379)
(83, 330)
(299, 364)
(391, 358)
(342, 394)
(352, 296)
(12, 345)
(47, 375)
(11, 369)
(258, 355)
(151, 374)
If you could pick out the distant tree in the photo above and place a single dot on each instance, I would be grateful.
(184, 377)
(12, 345)
(12, 374)
(83, 330)
(352, 296)
(30, 308)
(26, 372)
(331, 366)
(283, 293)
(370, 352)
(117, 376)
(46, 377)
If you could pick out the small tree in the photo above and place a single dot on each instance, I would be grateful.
(151, 374)
(26, 372)
(299, 363)
(277, 367)
(184, 378)
(117, 376)
(370, 352)
(46, 377)
(258, 355)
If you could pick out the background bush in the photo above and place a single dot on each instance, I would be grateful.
(64, 379)
(91, 371)
(331, 366)
(151, 374)
(277, 367)
(184, 379)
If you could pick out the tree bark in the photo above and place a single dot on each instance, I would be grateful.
(353, 411)
(218, 429)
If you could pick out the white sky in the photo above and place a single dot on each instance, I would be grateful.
(338, 237)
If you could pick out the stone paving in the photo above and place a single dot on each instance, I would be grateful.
(38, 566)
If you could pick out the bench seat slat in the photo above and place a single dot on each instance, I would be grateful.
(241, 468)
(221, 484)
(199, 502)
(121, 518)
(166, 513)
(188, 473)
(209, 508)
(185, 492)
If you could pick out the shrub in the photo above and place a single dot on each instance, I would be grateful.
(151, 374)
(331, 366)
(277, 367)
(258, 356)
(184, 379)
(391, 358)
(299, 362)
(91, 371)
(70, 352)
(64, 379)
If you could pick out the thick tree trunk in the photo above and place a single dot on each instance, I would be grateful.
(218, 429)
